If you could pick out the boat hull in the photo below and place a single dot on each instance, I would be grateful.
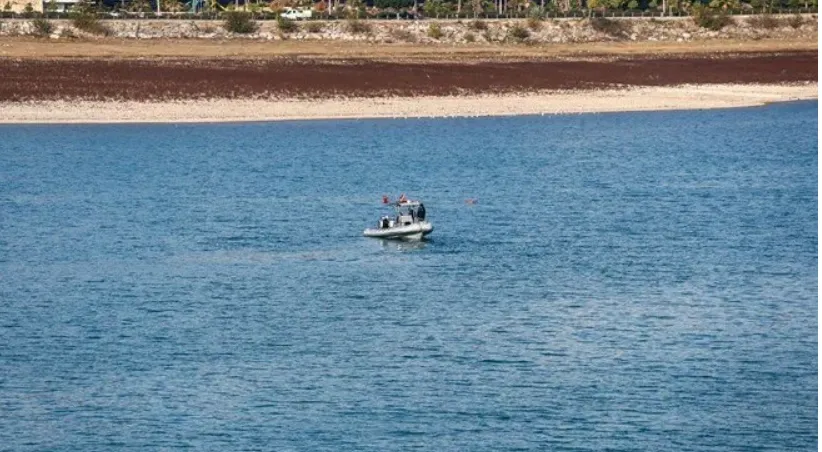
(414, 231)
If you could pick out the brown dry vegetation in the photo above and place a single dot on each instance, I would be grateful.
(289, 76)
(128, 69)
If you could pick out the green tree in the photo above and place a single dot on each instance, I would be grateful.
(139, 6)
(355, 8)
(432, 8)
(172, 6)
(448, 8)
(84, 17)
(395, 4)
(254, 8)
(724, 4)
(51, 7)
(616, 4)
(596, 4)
(516, 6)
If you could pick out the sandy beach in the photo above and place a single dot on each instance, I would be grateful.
(553, 102)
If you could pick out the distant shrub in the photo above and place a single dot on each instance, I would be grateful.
(356, 27)
(207, 29)
(435, 30)
(28, 11)
(763, 22)
(478, 25)
(239, 22)
(469, 37)
(402, 35)
(534, 23)
(518, 33)
(610, 27)
(50, 7)
(87, 21)
(67, 33)
(42, 27)
(287, 25)
(710, 19)
(314, 27)
(796, 21)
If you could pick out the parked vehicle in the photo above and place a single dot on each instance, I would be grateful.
(296, 13)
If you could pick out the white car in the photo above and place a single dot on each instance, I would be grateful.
(293, 14)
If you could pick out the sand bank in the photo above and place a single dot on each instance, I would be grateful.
(553, 102)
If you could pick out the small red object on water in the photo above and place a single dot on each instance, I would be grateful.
(385, 199)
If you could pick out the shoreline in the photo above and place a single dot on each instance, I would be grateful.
(665, 98)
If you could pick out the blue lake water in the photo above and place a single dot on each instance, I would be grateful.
(632, 281)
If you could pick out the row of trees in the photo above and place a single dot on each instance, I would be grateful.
(440, 8)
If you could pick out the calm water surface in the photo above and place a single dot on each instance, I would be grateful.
(637, 281)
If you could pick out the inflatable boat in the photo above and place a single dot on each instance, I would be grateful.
(409, 223)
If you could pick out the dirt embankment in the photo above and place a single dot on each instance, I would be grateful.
(435, 31)
(32, 48)
(233, 78)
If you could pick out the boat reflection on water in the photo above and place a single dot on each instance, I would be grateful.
(402, 246)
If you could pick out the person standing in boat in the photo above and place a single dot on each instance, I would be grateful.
(421, 212)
